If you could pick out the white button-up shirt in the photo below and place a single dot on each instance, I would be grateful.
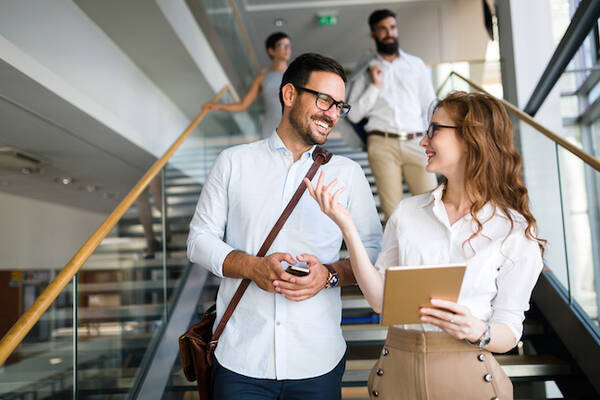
(501, 270)
(403, 101)
(246, 191)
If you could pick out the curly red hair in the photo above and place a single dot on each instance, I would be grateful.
(493, 165)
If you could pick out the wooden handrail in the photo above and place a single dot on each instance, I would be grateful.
(15, 335)
(584, 156)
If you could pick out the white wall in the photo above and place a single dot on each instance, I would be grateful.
(39, 235)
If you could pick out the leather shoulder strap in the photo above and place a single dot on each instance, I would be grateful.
(320, 156)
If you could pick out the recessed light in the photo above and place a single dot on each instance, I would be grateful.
(55, 361)
(279, 22)
(65, 180)
(91, 188)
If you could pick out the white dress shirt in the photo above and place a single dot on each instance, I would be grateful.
(501, 271)
(248, 187)
(401, 103)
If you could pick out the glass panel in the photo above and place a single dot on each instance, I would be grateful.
(582, 219)
(541, 173)
(223, 21)
(42, 366)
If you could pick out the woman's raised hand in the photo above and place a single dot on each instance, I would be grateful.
(329, 203)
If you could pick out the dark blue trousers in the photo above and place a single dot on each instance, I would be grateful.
(231, 386)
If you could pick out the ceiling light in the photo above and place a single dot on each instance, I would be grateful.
(91, 188)
(65, 180)
(55, 361)
(279, 22)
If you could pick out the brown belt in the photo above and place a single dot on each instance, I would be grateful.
(401, 135)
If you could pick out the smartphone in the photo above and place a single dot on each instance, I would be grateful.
(299, 269)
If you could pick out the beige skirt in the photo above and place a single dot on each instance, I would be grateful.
(418, 365)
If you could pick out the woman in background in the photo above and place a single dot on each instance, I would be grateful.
(479, 216)
(279, 49)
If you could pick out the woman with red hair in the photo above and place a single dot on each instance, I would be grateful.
(478, 216)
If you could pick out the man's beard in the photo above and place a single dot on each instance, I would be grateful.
(387, 48)
(303, 129)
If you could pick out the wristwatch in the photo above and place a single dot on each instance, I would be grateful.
(484, 340)
(333, 279)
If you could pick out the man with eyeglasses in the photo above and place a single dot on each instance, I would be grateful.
(394, 93)
(284, 339)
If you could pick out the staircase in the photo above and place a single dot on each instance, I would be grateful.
(122, 307)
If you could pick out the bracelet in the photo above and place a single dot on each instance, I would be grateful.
(484, 339)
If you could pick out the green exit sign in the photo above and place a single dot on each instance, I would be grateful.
(327, 19)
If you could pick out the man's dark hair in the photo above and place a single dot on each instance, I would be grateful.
(273, 39)
(298, 72)
(378, 15)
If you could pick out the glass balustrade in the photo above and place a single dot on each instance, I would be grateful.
(107, 321)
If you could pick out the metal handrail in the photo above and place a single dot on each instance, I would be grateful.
(15, 335)
(584, 156)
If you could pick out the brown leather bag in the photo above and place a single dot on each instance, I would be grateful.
(197, 345)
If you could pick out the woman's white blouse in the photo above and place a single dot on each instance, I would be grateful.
(501, 270)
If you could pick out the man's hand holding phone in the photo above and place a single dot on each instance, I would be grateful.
(304, 287)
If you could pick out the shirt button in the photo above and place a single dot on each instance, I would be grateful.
(375, 393)
(379, 371)
(487, 377)
(481, 357)
(385, 351)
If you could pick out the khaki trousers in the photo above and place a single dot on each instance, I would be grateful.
(391, 160)
(418, 365)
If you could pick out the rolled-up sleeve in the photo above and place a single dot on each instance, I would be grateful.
(364, 212)
(205, 245)
(515, 281)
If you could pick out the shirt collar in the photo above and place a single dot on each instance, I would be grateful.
(276, 144)
(434, 196)
(486, 212)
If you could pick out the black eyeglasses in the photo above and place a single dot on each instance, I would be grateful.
(433, 128)
(324, 101)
